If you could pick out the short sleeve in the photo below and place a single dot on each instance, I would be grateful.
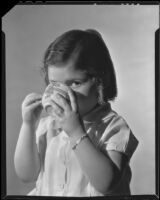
(119, 137)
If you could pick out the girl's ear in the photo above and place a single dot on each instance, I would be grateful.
(97, 80)
(93, 79)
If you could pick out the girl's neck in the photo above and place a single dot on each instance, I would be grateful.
(86, 115)
(98, 111)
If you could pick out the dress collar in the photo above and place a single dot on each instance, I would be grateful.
(96, 114)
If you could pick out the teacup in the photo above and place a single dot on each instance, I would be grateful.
(50, 94)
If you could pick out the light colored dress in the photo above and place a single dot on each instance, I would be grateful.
(61, 174)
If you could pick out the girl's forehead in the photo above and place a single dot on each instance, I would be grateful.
(65, 72)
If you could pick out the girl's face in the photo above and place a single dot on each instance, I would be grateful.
(83, 86)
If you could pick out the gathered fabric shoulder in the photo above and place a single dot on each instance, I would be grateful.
(115, 134)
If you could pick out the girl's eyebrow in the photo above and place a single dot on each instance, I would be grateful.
(70, 80)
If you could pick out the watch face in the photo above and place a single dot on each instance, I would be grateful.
(50, 94)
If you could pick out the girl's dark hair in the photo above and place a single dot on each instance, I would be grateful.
(91, 54)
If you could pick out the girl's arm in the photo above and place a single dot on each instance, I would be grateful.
(26, 159)
(104, 172)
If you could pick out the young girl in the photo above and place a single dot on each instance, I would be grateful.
(89, 154)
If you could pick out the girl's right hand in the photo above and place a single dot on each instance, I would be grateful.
(32, 108)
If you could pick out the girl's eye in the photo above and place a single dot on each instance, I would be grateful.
(75, 84)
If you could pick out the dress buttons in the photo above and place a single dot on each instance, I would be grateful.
(65, 139)
(61, 186)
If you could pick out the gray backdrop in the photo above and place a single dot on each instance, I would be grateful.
(129, 33)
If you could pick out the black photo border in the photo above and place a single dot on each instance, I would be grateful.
(5, 7)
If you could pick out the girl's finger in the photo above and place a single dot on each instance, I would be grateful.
(58, 114)
(34, 105)
(33, 95)
(29, 101)
(62, 101)
(56, 108)
(73, 100)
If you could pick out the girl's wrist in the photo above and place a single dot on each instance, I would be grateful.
(29, 125)
(76, 136)
(74, 146)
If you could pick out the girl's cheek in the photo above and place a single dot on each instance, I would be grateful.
(85, 95)
(81, 94)
(86, 91)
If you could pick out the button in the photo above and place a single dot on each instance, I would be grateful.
(61, 186)
(65, 139)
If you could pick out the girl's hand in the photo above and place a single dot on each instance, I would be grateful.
(31, 108)
(67, 114)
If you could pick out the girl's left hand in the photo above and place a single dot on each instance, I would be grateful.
(67, 114)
